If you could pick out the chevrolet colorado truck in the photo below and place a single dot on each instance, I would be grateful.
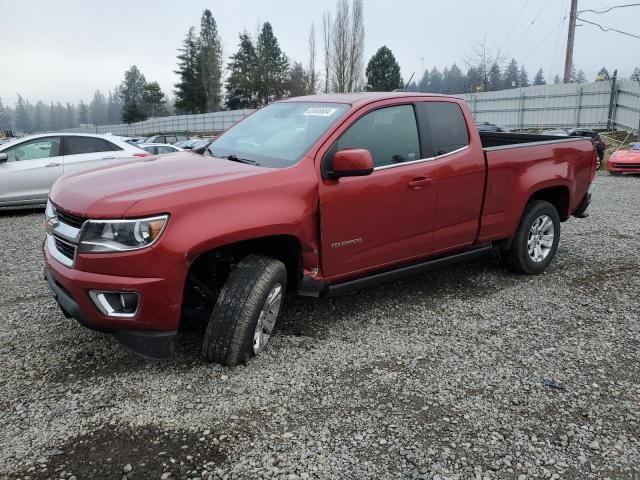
(313, 195)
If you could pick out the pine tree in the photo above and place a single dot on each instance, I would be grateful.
(69, 116)
(98, 114)
(210, 61)
(298, 81)
(132, 95)
(523, 77)
(556, 79)
(636, 74)
(5, 118)
(23, 121)
(511, 75)
(454, 80)
(581, 77)
(190, 93)
(602, 75)
(383, 71)
(435, 81)
(539, 78)
(154, 100)
(273, 66)
(114, 107)
(83, 113)
(241, 87)
(495, 78)
(39, 123)
(423, 84)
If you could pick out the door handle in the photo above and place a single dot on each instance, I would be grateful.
(420, 182)
(53, 164)
(108, 158)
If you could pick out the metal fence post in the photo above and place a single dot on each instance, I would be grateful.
(612, 100)
(579, 107)
(521, 113)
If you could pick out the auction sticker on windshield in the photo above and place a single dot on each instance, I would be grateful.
(320, 111)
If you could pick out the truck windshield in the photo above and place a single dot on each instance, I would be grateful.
(278, 135)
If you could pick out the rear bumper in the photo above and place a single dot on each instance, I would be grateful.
(151, 333)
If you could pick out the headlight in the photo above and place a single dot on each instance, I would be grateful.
(104, 236)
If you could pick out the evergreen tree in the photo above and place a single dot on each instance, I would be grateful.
(636, 74)
(581, 77)
(539, 78)
(454, 80)
(39, 120)
(556, 79)
(241, 87)
(23, 121)
(154, 100)
(114, 107)
(383, 72)
(6, 122)
(298, 82)
(423, 84)
(435, 81)
(523, 77)
(83, 113)
(474, 80)
(495, 78)
(273, 66)
(511, 75)
(98, 114)
(132, 95)
(69, 116)
(412, 87)
(210, 61)
(602, 75)
(190, 93)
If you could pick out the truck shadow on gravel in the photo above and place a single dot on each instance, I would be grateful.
(129, 453)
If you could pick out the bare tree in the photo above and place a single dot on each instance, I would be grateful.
(356, 47)
(480, 62)
(326, 37)
(311, 70)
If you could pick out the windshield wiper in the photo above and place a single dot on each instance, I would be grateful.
(235, 158)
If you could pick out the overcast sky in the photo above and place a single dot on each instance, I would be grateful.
(65, 50)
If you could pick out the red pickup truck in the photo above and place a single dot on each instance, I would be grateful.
(314, 195)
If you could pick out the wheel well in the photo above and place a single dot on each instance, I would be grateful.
(210, 270)
(556, 196)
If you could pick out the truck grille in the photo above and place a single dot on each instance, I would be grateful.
(70, 219)
(65, 248)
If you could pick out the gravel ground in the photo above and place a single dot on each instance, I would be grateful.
(466, 372)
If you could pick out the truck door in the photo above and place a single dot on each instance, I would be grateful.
(387, 216)
(461, 172)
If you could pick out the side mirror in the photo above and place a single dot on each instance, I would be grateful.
(3, 157)
(356, 162)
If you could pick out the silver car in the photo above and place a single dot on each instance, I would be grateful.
(30, 165)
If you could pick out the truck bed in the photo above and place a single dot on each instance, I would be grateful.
(498, 140)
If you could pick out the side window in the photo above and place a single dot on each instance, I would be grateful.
(34, 149)
(446, 127)
(171, 140)
(78, 145)
(390, 134)
(111, 147)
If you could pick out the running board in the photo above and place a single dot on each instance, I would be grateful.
(316, 289)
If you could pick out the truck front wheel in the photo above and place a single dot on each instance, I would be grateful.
(246, 311)
(536, 240)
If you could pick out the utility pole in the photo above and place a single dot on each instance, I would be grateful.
(568, 61)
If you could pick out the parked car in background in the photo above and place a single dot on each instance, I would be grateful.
(624, 161)
(170, 138)
(316, 195)
(600, 144)
(134, 140)
(30, 165)
(184, 144)
(491, 127)
(159, 148)
(200, 145)
(558, 132)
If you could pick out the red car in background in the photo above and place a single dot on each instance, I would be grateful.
(625, 161)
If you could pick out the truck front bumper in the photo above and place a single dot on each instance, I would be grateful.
(150, 333)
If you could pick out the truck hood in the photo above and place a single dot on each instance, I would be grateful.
(111, 192)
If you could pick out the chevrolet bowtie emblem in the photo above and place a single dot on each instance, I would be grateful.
(50, 223)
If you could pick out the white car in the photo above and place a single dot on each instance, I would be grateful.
(30, 165)
(159, 148)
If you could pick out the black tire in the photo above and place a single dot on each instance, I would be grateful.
(517, 256)
(229, 336)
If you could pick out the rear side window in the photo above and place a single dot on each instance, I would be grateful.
(79, 145)
(390, 134)
(446, 128)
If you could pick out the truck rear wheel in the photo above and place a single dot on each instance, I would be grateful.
(246, 311)
(536, 240)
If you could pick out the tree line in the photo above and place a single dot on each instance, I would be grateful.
(259, 72)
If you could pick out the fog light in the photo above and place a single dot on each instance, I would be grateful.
(115, 304)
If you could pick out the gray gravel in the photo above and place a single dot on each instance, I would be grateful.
(466, 372)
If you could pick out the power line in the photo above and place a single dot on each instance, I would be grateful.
(531, 24)
(504, 42)
(604, 28)
(606, 10)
